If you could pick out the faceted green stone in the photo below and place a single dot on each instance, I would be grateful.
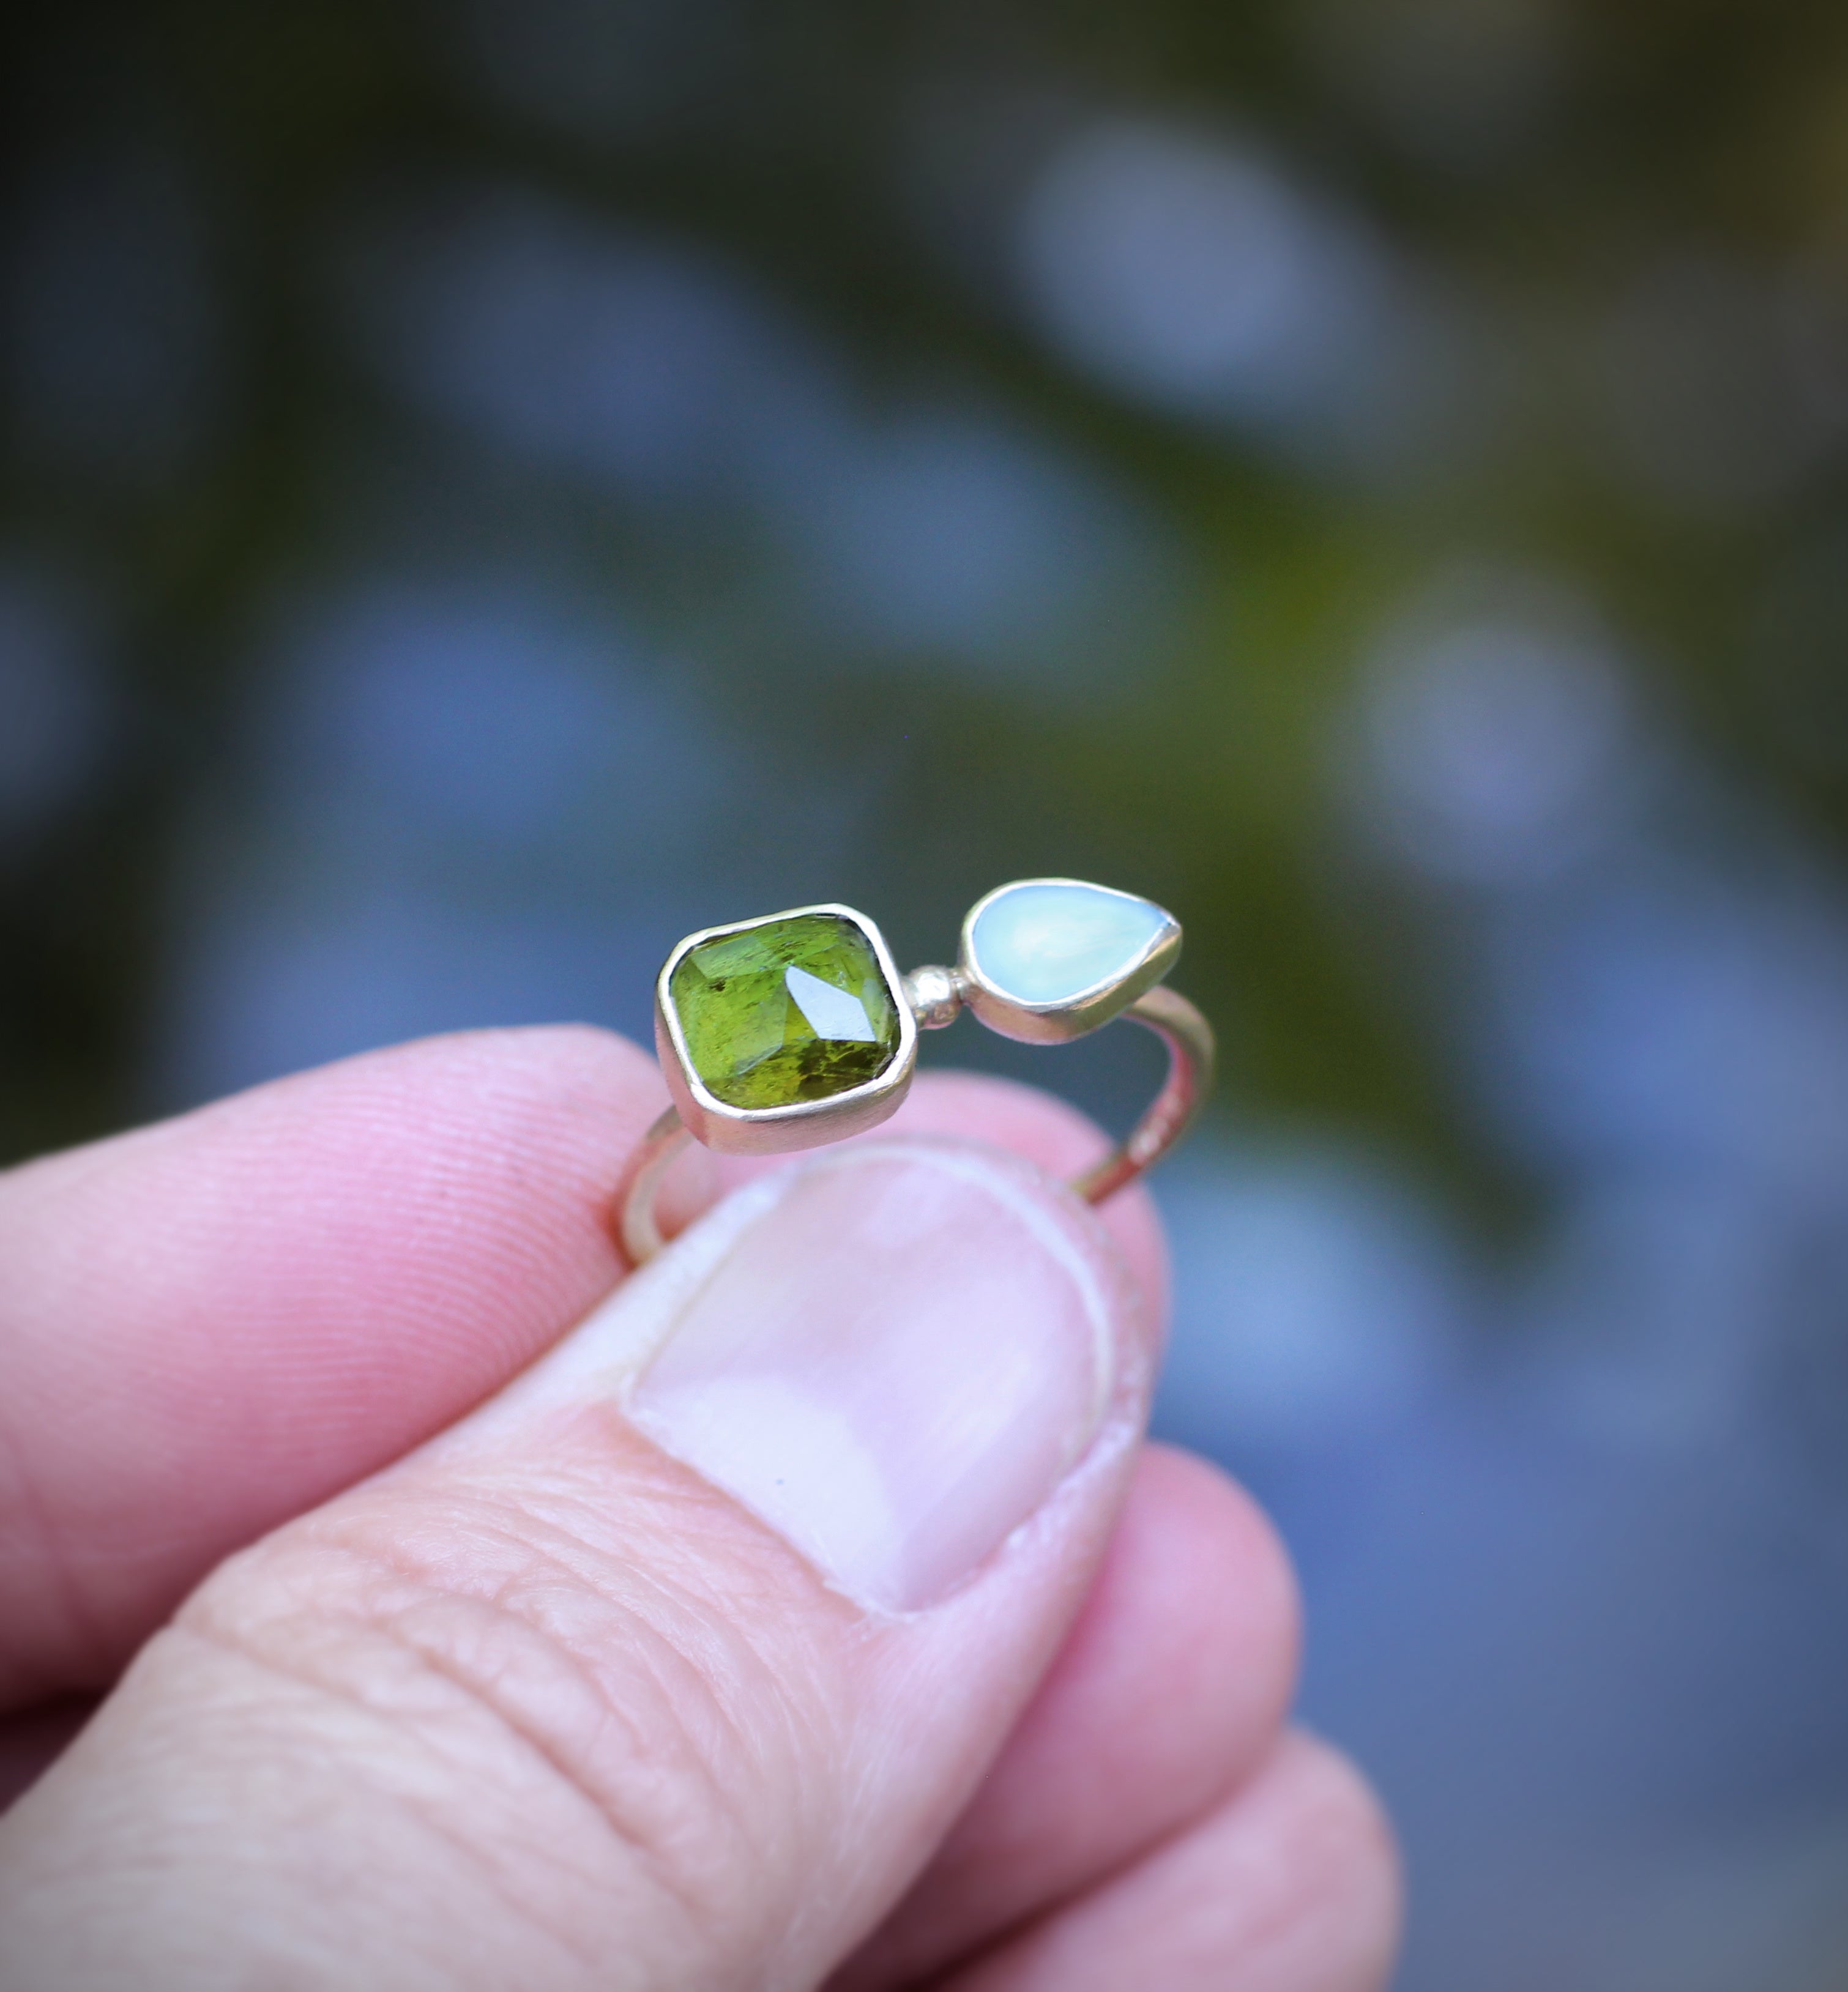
(794, 1009)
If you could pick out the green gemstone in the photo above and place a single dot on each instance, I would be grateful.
(794, 1009)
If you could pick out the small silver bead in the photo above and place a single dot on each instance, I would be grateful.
(935, 995)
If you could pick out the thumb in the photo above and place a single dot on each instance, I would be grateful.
(668, 1667)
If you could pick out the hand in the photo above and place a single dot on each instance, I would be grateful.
(803, 1612)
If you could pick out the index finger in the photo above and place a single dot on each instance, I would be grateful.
(208, 1325)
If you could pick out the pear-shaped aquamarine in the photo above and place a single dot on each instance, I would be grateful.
(1050, 940)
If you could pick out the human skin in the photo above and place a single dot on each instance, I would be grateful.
(468, 1611)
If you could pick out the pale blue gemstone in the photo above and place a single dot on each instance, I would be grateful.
(1051, 943)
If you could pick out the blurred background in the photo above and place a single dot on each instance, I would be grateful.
(489, 487)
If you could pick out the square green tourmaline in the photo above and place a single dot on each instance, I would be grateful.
(795, 1009)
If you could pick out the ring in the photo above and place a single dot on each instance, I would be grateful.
(796, 1029)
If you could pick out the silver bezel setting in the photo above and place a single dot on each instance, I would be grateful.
(1076, 1017)
(804, 1123)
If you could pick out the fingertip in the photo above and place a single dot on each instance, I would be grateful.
(1337, 1835)
(1168, 1694)
(1180, 1668)
(1294, 1881)
(1054, 1136)
(1200, 1534)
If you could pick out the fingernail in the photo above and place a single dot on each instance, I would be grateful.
(893, 1364)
